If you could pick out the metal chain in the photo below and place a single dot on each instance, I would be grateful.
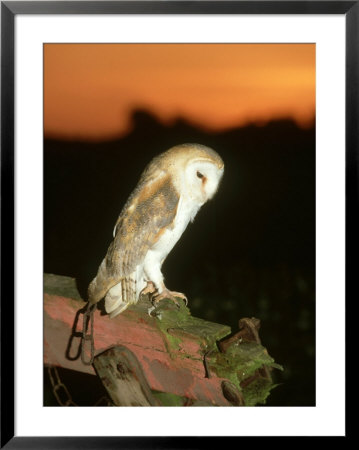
(60, 391)
(88, 319)
(62, 394)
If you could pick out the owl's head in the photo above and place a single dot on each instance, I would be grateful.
(202, 178)
(201, 170)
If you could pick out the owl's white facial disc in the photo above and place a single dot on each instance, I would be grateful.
(202, 179)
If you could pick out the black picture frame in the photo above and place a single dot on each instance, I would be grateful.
(9, 10)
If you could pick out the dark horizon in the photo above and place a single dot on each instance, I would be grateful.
(118, 136)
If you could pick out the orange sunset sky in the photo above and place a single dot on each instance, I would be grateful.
(90, 90)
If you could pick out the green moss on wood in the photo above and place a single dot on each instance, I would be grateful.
(169, 399)
(177, 323)
(243, 360)
(257, 391)
(61, 286)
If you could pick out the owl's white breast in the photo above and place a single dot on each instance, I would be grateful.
(186, 211)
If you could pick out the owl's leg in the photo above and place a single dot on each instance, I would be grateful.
(149, 289)
(152, 269)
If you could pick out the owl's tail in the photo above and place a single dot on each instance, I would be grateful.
(101, 284)
(118, 294)
(115, 300)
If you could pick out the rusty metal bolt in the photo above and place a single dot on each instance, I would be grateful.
(248, 332)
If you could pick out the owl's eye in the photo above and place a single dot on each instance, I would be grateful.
(199, 174)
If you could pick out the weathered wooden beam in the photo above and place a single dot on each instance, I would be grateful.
(123, 378)
(178, 353)
(170, 349)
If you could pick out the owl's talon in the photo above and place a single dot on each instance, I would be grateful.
(170, 295)
(181, 296)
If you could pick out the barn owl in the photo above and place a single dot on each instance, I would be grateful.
(168, 196)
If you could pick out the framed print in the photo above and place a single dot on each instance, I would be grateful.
(121, 123)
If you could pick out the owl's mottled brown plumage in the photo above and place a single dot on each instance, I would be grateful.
(147, 213)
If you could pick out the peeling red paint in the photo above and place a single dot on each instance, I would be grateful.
(184, 376)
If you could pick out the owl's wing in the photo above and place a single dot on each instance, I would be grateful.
(149, 211)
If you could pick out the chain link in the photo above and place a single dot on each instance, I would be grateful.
(88, 337)
(60, 391)
(62, 394)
